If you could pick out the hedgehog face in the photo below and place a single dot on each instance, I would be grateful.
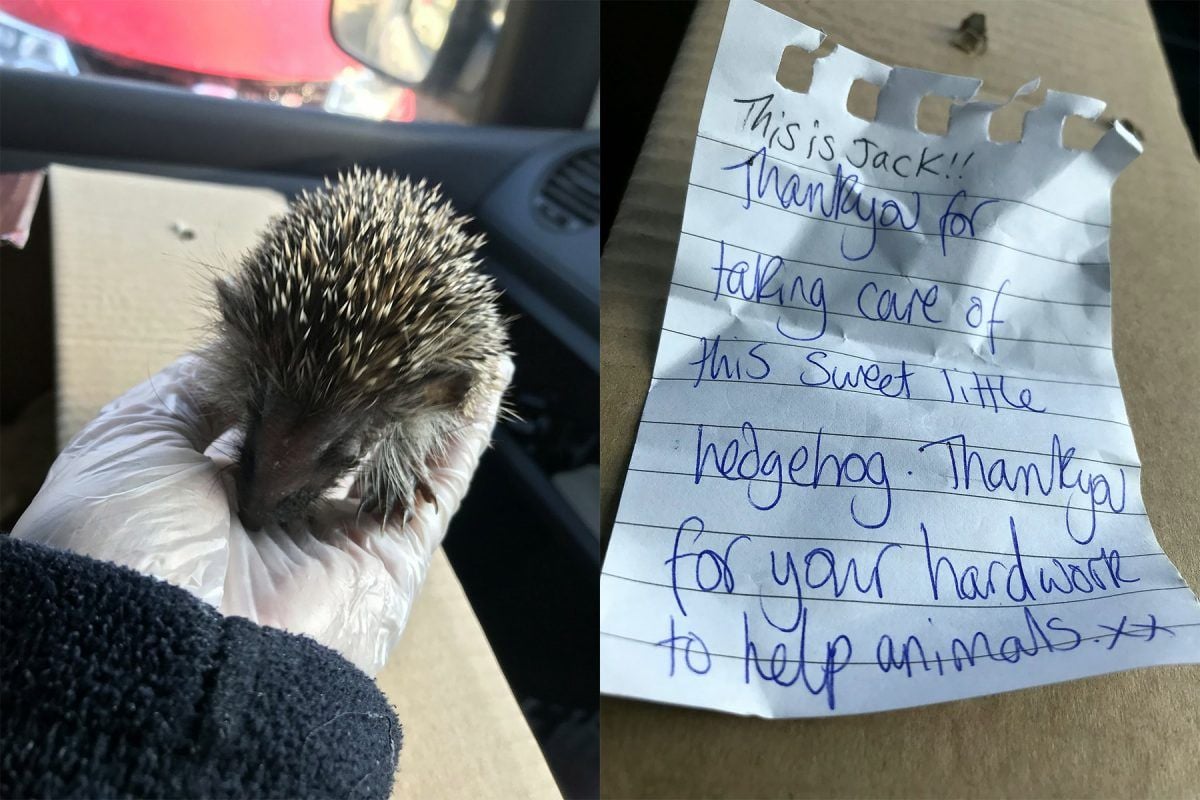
(291, 457)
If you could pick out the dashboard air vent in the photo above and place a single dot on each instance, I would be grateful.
(569, 199)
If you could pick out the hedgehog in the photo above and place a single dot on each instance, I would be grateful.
(359, 336)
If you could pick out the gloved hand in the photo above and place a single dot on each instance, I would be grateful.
(148, 484)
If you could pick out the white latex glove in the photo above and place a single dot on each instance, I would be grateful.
(141, 486)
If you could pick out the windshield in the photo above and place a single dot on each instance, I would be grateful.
(428, 58)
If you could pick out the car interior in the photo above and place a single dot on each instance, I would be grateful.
(525, 543)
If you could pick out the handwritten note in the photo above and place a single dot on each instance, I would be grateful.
(884, 460)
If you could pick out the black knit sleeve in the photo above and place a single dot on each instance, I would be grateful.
(113, 684)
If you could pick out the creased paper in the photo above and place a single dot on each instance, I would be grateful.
(884, 460)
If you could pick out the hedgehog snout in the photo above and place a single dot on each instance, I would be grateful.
(289, 459)
(253, 516)
(279, 490)
(263, 490)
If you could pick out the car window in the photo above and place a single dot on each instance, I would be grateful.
(399, 60)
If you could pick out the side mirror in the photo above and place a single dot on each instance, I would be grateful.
(419, 43)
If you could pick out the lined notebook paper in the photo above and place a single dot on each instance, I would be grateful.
(884, 460)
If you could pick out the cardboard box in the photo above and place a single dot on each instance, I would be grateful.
(1130, 734)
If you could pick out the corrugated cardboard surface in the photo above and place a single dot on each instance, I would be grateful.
(130, 296)
(1126, 735)
(464, 735)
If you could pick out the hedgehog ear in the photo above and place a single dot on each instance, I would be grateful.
(448, 388)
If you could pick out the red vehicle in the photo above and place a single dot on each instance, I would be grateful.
(278, 51)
